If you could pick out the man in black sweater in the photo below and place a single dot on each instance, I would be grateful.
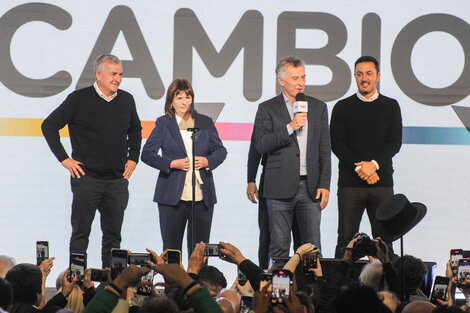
(366, 132)
(105, 133)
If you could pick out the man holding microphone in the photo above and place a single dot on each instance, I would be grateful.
(298, 158)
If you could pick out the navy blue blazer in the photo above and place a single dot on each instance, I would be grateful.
(281, 180)
(167, 137)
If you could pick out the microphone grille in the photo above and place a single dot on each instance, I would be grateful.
(300, 97)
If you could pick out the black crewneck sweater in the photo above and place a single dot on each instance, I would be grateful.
(104, 135)
(365, 131)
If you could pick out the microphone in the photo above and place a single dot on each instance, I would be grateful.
(193, 129)
(300, 105)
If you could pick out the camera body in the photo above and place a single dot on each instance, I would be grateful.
(365, 246)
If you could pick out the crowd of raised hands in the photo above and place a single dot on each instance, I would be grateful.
(387, 284)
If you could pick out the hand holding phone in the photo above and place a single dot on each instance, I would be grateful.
(77, 266)
(463, 273)
(455, 256)
(118, 261)
(309, 262)
(439, 290)
(147, 280)
(264, 279)
(281, 281)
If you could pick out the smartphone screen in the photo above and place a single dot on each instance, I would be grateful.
(439, 290)
(146, 289)
(463, 272)
(118, 259)
(77, 266)
(173, 256)
(99, 275)
(246, 304)
(281, 285)
(309, 262)
(42, 251)
(212, 249)
(455, 256)
(139, 258)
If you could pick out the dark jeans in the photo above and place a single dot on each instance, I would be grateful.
(173, 221)
(281, 214)
(351, 205)
(110, 198)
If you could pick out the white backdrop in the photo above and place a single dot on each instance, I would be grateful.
(35, 194)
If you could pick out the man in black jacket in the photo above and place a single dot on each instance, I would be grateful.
(298, 159)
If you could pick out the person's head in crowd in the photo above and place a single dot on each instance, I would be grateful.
(401, 306)
(389, 299)
(447, 309)
(160, 304)
(419, 306)
(6, 263)
(371, 275)
(26, 280)
(355, 298)
(6, 295)
(232, 296)
(414, 271)
(306, 300)
(226, 305)
(213, 279)
(177, 294)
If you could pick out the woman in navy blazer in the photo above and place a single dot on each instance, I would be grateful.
(173, 191)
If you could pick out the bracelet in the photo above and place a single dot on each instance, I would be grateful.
(113, 289)
(189, 287)
(348, 249)
(300, 257)
(193, 290)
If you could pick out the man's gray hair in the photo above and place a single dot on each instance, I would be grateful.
(9, 263)
(371, 274)
(283, 63)
(102, 59)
